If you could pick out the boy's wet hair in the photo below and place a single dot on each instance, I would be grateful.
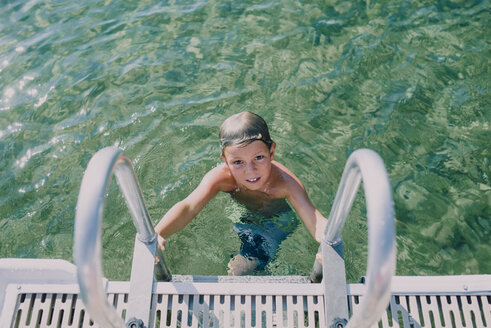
(244, 128)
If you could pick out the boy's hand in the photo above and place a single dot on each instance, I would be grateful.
(160, 245)
(318, 257)
(160, 242)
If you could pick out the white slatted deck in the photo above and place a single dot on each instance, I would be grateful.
(450, 301)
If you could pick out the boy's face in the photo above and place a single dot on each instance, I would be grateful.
(250, 165)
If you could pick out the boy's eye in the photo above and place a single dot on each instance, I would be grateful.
(237, 162)
(259, 157)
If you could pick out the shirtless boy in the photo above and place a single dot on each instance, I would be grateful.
(251, 176)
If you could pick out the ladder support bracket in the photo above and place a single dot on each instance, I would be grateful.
(334, 281)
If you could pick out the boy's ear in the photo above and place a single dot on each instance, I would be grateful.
(272, 149)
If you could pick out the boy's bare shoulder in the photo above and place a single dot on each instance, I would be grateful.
(292, 189)
(221, 178)
(287, 180)
(287, 176)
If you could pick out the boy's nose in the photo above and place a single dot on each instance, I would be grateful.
(251, 167)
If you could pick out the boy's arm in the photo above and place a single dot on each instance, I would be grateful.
(312, 218)
(184, 211)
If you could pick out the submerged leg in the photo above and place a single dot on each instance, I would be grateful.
(240, 265)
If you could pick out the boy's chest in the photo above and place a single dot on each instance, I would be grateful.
(260, 202)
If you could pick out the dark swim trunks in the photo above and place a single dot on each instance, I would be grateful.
(261, 236)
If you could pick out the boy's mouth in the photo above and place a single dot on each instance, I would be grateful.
(253, 180)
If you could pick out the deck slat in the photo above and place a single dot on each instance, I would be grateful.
(243, 305)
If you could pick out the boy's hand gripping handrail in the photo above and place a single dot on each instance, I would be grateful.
(366, 165)
(88, 222)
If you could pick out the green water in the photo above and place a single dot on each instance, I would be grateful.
(408, 79)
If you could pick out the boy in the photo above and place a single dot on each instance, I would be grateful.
(251, 176)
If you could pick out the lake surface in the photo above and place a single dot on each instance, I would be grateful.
(408, 79)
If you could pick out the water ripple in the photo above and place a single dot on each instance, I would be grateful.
(407, 79)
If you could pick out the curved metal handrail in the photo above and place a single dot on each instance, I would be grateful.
(366, 165)
(88, 222)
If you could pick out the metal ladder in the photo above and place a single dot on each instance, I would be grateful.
(54, 293)
(235, 304)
